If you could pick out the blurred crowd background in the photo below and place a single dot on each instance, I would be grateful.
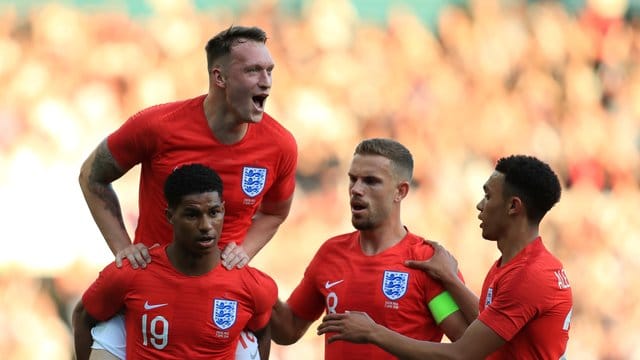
(461, 83)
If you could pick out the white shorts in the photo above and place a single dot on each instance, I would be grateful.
(247, 347)
(111, 336)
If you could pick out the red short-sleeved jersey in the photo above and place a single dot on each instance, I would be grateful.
(259, 167)
(528, 302)
(341, 277)
(169, 315)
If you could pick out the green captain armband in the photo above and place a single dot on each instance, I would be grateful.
(442, 306)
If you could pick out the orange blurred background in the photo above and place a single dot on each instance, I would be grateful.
(461, 84)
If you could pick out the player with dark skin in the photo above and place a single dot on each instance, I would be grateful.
(191, 261)
(229, 119)
(513, 322)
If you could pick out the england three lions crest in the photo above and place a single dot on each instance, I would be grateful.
(253, 180)
(224, 313)
(394, 284)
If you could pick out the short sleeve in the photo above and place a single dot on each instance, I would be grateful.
(135, 140)
(105, 296)
(285, 182)
(265, 294)
(305, 301)
(514, 303)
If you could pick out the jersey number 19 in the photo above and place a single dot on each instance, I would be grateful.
(157, 333)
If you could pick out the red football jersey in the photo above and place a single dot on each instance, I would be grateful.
(528, 302)
(341, 277)
(169, 315)
(259, 167)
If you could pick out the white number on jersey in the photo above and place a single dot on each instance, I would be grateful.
(158, 339)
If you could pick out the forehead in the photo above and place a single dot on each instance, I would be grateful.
(370, 165)
(249, 52)
(211, 198)
(495, 182)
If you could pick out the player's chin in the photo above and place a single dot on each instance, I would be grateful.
(255, 117)
(205, 248)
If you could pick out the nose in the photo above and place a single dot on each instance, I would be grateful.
(480, 205)
(265, 79)
(356, 188)
(206, 224)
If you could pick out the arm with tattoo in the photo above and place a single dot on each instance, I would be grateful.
(96, 175)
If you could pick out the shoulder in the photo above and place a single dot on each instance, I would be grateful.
(281, 134)
(342, 241)
(111, 274)
(538, 270)
(258, 281)
(162, 112)
(417, 247)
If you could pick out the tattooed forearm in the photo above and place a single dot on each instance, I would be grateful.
(104, 170)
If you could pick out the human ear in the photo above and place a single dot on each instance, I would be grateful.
(515, 205)
(217, 77)
(403, 190)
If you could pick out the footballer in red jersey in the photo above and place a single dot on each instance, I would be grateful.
(364, 270)
(526, 302)
(185, 305)
(227, 130)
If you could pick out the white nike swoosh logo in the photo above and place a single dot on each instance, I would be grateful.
(332, 284)
(149, 307)
(253, 356)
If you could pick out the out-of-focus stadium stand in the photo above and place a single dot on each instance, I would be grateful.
(461, 83)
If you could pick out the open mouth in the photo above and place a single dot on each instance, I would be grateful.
(259, 101)
(206, 240)
(357, 207)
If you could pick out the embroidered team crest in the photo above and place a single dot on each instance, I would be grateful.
(394, 284)
(224, 313)
(253, 180)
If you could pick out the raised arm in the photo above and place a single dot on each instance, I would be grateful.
(264, 225)
(97, 173)
(443, 266)
(286, 327)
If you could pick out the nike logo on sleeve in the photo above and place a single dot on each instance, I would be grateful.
(328, 284)
(148, 306)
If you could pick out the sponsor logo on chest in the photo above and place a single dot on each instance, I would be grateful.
(253, 180)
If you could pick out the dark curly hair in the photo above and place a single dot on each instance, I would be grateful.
(532, 181)
(188, 180)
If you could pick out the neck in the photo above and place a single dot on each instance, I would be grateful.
(516, 239)
(375, 241)
(223, 124)
(192, 264)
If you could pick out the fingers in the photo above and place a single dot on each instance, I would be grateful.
(327, 327)
(234, 256)
(119, 257)
(435, 244)
(137, 254)
(416, 264)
